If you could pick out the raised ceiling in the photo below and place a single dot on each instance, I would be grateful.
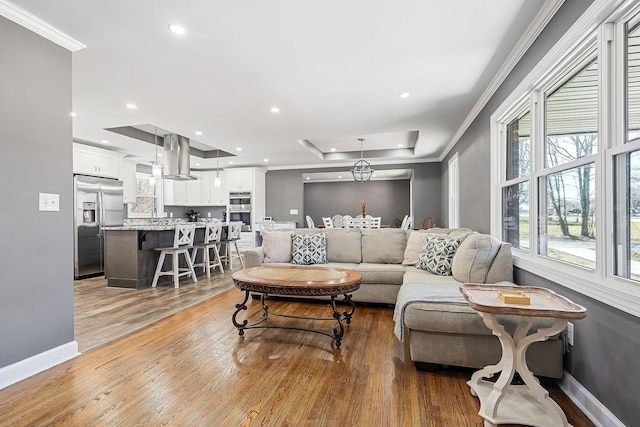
(334, 69)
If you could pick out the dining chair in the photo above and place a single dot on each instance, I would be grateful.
(211, 240)
(337, 221)
(231, 242)
(375, 221)
(428, 222)
(406, 223)
(310, 223)
(182, 242)
(327, 221)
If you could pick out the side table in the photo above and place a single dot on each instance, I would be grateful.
(502, 402)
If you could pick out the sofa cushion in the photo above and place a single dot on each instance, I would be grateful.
(415, 275)
(474, 257)
(277, 246)
(381, 273)
(344, 245)
(309, 248)
(437, 254)
(383, 246)
(415, 243)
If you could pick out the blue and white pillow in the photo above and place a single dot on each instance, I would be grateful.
(309, 249)
(437, 254)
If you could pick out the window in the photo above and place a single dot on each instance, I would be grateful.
(566, 162)
(454, 192)
(145, 197)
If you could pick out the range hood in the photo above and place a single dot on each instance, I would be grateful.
(176, 158)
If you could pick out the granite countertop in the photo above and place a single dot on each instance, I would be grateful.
(151, 227)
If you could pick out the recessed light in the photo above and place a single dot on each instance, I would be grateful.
(197, 164)
(177, 29)
(340, 176)
(72, 114)
(230, 162)
(274, 110)
(308, 178)
(404, 95)
(104, 141)
(400, 145)
(160, 154)
(239, 149)
(333, 150)
(198, 133)
(266, 160)
(132, 106)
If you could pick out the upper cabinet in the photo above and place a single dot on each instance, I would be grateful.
(89, 160)
(128, 178)
(240, 179)
(212, 195)
(200, 192)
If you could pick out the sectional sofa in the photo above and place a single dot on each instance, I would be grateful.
(419, 272)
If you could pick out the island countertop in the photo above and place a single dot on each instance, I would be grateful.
(153, 227)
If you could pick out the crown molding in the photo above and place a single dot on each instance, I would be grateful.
(532, 32)
(38, 26)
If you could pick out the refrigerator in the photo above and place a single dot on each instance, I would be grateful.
(98, 203)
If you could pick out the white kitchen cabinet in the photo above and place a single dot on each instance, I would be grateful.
(94, 161)
(219, 196)
(194, 190)
(128, 178)
(205, 188)
(240, 179)
(175, 192)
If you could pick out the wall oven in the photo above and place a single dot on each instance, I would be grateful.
(240, 208)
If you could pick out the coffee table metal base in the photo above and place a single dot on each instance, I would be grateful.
(336, 331)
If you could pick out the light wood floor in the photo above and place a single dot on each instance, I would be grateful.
(192, 369)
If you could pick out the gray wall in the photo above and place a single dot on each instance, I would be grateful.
(386, 199)
(607, 341)
(36, 248)
(285, 191)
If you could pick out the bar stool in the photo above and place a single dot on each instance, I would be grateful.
(235, 227)
(182, 242)
(211, 240)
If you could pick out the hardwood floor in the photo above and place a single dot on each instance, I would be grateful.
(192, 369)
(103, 314)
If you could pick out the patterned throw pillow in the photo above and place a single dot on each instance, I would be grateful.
(437, 254)
(309, 248)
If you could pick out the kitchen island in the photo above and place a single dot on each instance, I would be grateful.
(130, 257)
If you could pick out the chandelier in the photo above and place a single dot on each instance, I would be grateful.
(361, 169)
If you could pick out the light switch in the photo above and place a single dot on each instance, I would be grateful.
(293, 211)
(49, 202)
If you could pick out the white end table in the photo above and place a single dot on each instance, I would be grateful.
(502, 402)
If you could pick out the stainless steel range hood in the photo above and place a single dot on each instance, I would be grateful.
(176, 158)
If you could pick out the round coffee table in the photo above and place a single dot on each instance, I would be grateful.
(302, 281)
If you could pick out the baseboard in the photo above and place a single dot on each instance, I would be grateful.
(583, 399)
(40, 362)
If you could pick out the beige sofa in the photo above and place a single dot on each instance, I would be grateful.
(430, 312)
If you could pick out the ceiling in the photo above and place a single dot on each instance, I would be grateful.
(334, 69)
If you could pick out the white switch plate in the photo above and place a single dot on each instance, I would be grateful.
(293, 211)
(49, 202)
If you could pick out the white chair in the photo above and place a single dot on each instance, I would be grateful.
(233, 235)
(406, 223)
(336, 220)
(375, 221)
(182, 242)
(357, 223)
(211, 240)
(310, 223)
(328, 223)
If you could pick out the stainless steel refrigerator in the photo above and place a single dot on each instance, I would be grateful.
(98, 203)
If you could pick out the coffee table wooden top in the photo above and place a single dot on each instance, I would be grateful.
(544, 302)
(297, 280)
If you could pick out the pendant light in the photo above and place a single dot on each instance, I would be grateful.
(361, 169)
(156, 168)
(216, 181)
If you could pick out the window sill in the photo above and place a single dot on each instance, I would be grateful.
(618, 293)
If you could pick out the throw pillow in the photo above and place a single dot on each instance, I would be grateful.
(415, 243)
(276, 246)
(437, 254)
(383, 246)
(309, 248)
